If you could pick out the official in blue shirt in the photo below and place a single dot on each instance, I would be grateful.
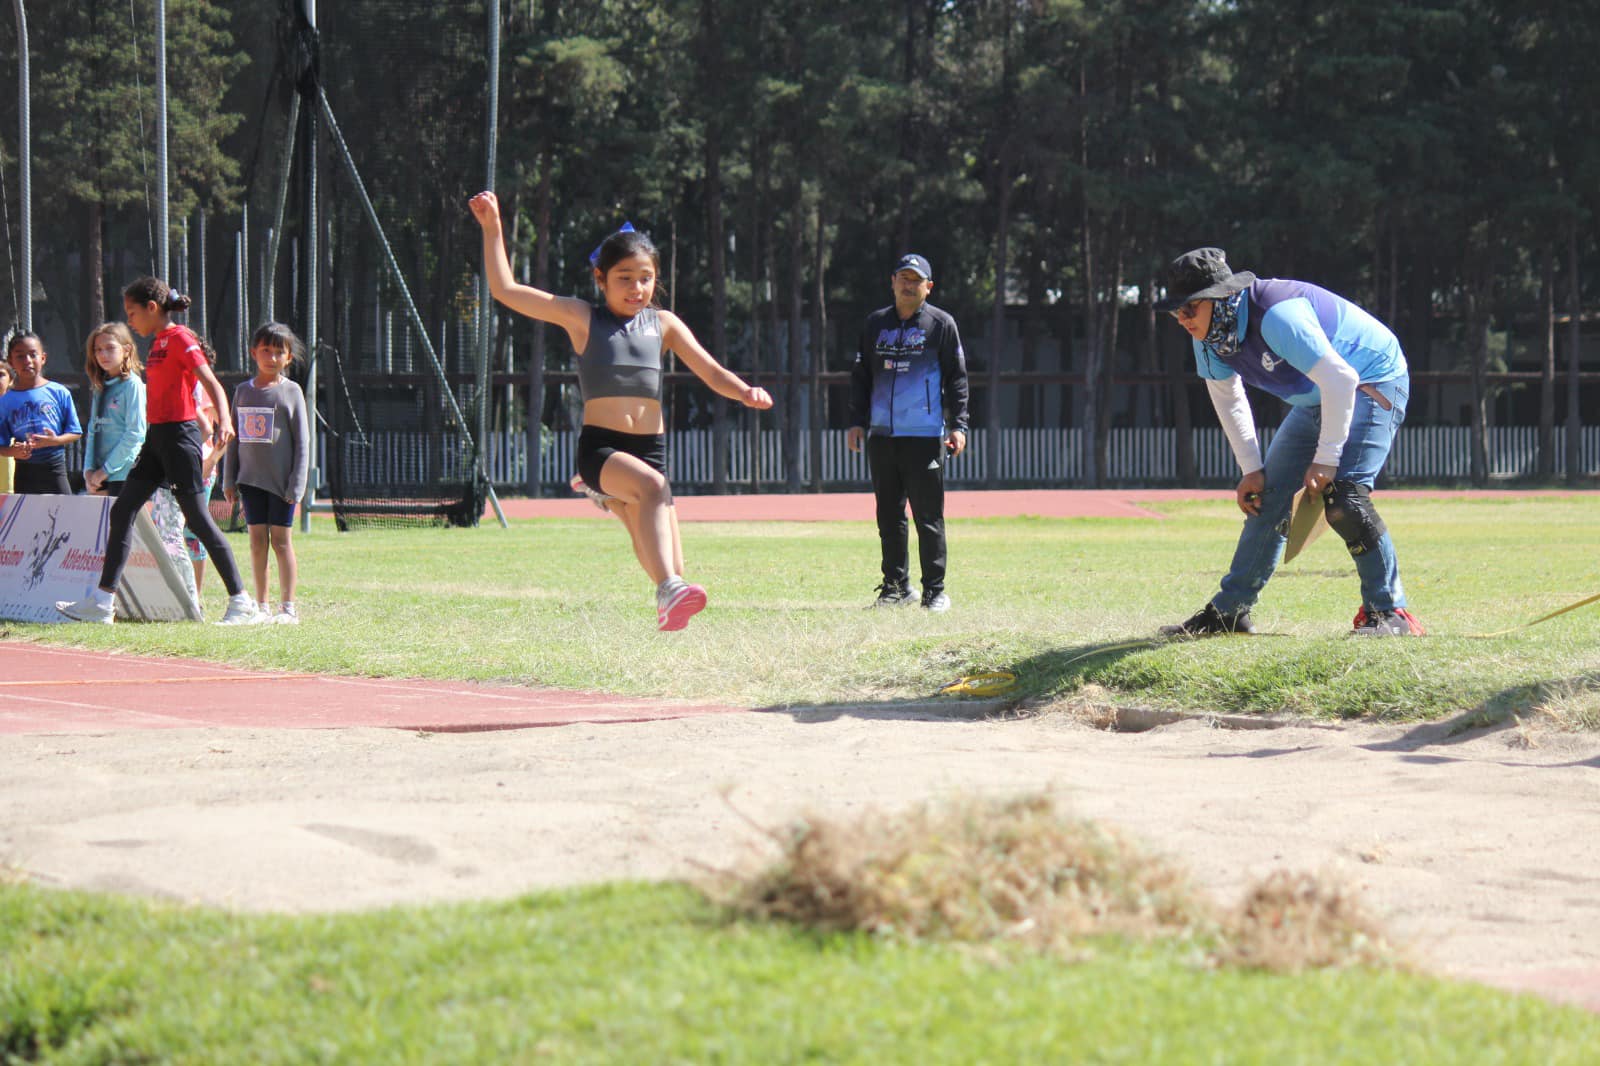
(1344, 377)
(908, 401)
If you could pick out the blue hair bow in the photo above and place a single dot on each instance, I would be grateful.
(594, 256)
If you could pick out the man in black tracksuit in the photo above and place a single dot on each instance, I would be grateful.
(908, 398)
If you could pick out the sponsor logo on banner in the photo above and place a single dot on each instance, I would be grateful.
(53, 547)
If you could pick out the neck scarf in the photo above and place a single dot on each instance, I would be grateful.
(1223, 337)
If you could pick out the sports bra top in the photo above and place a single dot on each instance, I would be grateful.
(623, 356)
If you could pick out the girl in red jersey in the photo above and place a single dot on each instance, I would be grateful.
(171, 454)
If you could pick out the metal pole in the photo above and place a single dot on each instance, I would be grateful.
(486, 314)
(163, 235)
(200, 272)
(308, 225)
(244, 282)
(238, 293)
(25, 159)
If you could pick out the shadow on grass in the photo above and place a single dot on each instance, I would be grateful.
(1054, 671)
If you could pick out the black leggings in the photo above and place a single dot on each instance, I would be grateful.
(136, 492)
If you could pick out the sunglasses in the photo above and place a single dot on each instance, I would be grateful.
(1187, 311)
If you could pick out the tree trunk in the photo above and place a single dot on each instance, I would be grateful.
(997, 332)
(774, 332)
(1109, 335)
(1574, 447)
(795, 389)
(719, 284)
(1092, 364)
(819, 347)
(908, 76)
(1029, 399)
(541, 280)
(1547, 368)
(97, 264)
(1177, 366)
(1477, 324)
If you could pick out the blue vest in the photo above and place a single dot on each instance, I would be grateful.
(1286, 326)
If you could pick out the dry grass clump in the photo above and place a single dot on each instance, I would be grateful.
(1290, 922)
(1571, 708)
(970, 870)
(983, 870)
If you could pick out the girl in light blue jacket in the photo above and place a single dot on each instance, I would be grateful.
(116, 413)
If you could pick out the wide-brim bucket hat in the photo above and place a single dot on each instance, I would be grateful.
(1202, 274)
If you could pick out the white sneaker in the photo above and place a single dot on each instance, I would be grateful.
(242, 611)
(86, 611)
(288, 616)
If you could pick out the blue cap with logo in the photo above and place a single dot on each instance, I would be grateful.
(913, 261)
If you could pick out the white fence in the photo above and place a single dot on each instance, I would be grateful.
(1028, 457)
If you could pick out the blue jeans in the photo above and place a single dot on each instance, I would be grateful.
(1372, 433)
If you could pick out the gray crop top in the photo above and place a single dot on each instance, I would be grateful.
(623, 356)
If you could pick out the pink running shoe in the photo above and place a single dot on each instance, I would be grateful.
(595, 497)
(682, 604)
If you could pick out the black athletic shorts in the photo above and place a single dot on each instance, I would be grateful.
(42, 476)
(262, 508)
(171, 457)
(596, 445)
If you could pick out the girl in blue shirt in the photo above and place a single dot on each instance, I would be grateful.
(116, 413)
(37, 420)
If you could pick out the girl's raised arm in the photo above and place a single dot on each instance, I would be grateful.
(564, 311)
(678, 338)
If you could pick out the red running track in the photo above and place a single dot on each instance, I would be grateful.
(64, 690)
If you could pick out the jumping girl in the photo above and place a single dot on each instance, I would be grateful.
(37, 420)
(116, 411)
(171, 452)
(269, 461)
(619, 342)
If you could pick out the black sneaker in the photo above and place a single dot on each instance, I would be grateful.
(1395, 623)
(935, 601)
(1210, 622)
(893, 596)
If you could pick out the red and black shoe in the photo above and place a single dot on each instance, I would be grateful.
(1395, 623)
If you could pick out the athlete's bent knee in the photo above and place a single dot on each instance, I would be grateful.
(1348, 507)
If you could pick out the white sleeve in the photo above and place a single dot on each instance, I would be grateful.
(1233, 411)
(1337, 380)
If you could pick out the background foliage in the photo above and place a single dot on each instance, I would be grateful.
(1436, 160)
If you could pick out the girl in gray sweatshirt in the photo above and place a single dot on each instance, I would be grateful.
(268, 462)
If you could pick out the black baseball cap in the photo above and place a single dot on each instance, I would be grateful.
(913, 261)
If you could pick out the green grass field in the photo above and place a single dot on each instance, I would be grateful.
(563, 603)
(654, 973)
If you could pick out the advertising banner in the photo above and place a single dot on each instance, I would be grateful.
(52, 548)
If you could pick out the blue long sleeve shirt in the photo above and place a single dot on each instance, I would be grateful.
(116, 428)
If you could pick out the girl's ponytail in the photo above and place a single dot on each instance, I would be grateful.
(148, 290)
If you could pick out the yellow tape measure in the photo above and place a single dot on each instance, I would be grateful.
(992, 683)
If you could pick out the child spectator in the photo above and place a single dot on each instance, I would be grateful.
(116, 410)
(37, 420)
(8, 465)
(268, 462)
(181, 542)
